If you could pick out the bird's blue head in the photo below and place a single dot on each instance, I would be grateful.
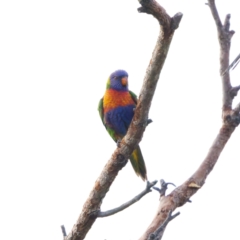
(118, 80)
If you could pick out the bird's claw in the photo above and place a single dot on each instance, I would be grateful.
(163, 188)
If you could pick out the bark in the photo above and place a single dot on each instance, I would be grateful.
(231, 119)
(181, 194)
(134, 135)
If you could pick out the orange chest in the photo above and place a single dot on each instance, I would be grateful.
(113, 99)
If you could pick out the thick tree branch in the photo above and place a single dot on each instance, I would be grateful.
(182, 194)
(134, 135)
(153, 8)
(129, 203)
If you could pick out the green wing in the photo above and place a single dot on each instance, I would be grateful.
(134, 96)
(100, 110)
(101, 113)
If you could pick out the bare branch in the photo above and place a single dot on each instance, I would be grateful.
(152, 7)
(211, 4)
(231, 119)
(226, 25)
(176, 20)
(224, 37)
(63, 231)
(233, 64)
(129, 203)
(157, 235)
(184, 192)
(135, 132)
(236, 64)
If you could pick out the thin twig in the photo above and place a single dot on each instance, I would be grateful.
(157, 235)
(236, 64)
(233, 64)
(63, 231)
(129, 203)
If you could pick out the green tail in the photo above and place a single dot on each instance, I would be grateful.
(138, 163)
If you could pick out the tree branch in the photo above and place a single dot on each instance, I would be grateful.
(157, 235)
(233, 64)
(215, 14)
(224, 38)
(182, 194)
(153, 8)
(129, 203)
(63, 231)
(135, 132)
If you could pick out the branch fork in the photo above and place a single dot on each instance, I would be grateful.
(135, 133)
(231, 119)
(181, 194)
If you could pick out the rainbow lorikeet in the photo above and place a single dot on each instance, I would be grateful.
(116, 110)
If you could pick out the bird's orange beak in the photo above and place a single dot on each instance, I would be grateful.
(124, 81)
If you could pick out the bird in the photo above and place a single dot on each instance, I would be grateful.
(116, 110)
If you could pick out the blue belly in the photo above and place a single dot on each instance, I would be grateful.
(120, 118)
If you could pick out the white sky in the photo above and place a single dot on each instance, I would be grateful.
(55, 58)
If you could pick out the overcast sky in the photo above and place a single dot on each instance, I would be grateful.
(55, 58)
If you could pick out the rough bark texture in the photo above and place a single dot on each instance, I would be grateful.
(224, 37)
(134, 135)
(181, 194)
(231, 119)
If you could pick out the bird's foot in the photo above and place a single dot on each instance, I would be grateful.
(163, 188)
